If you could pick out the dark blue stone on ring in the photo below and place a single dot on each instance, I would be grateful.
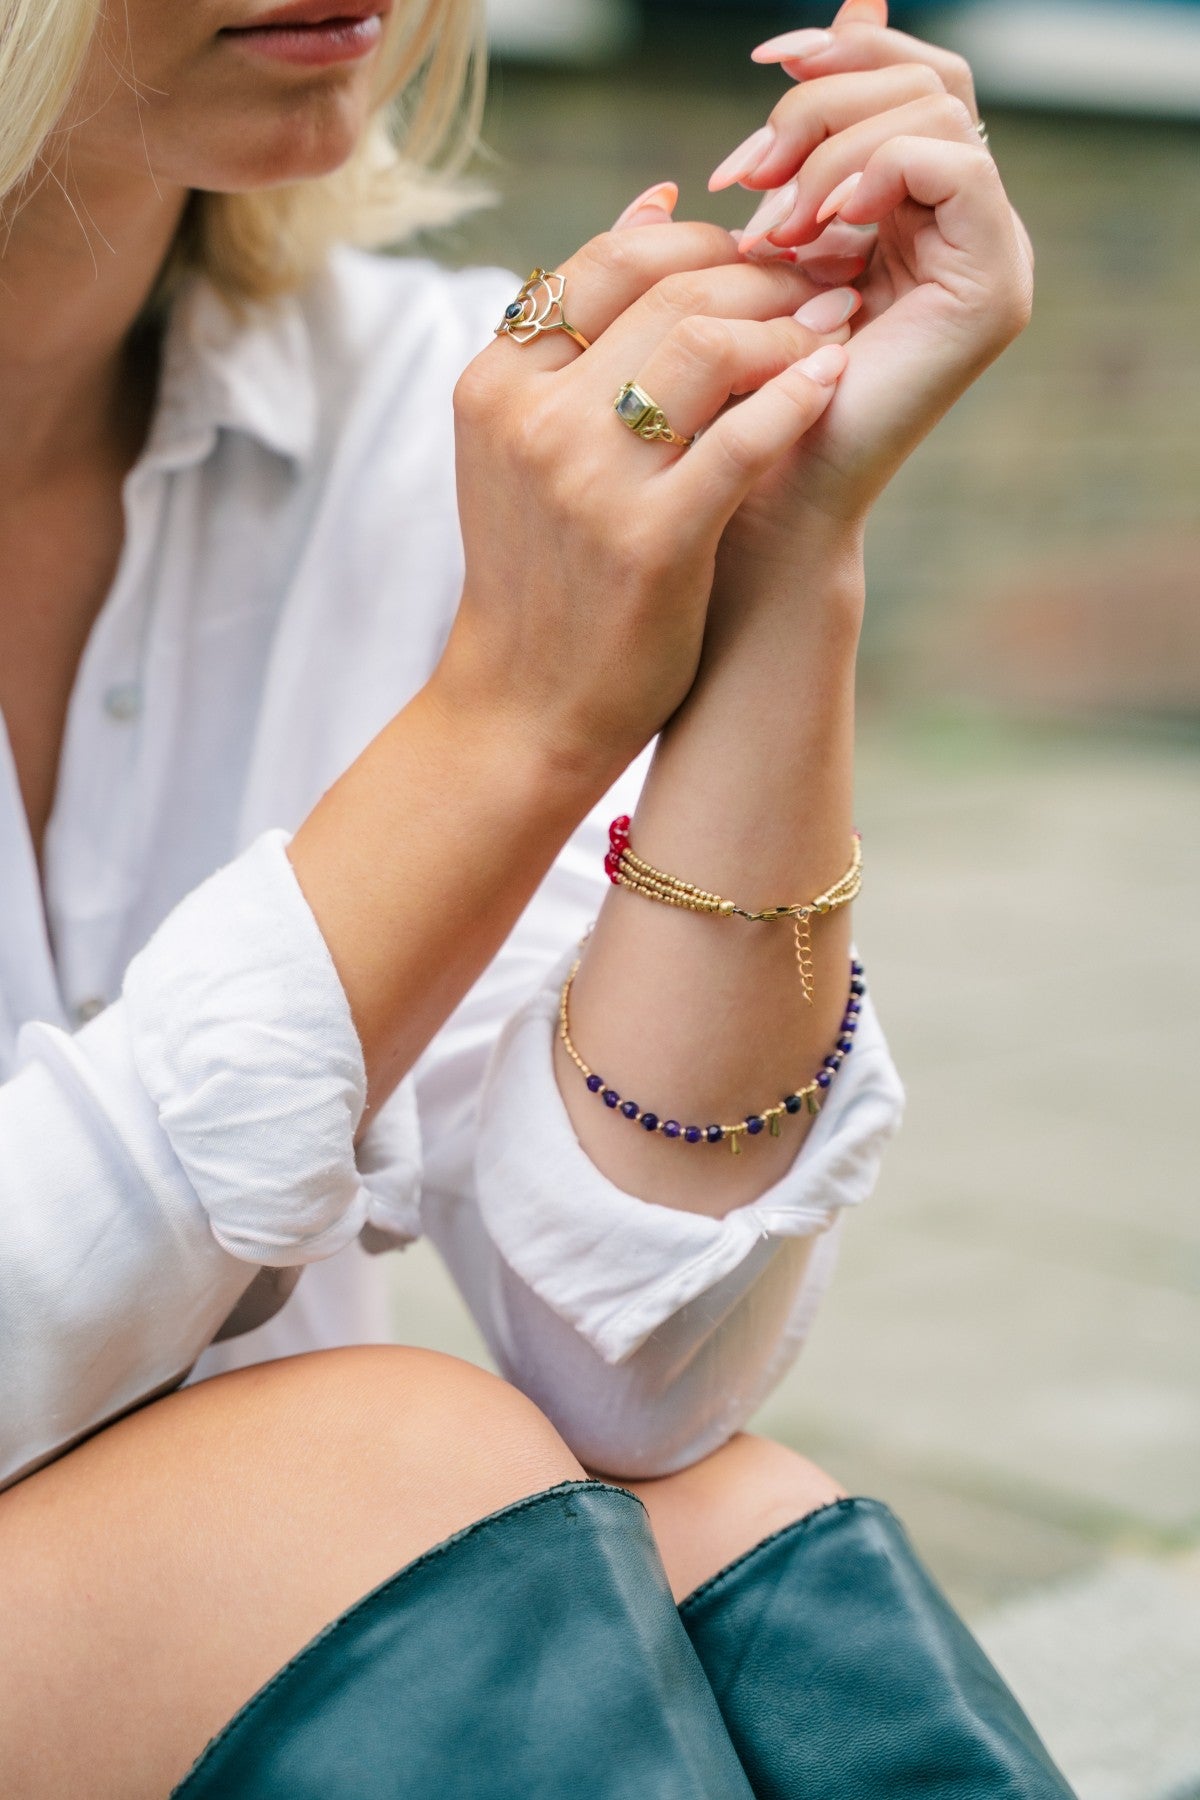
(610, 1096)
(515, 310)
(692, 1134)
(650, 1121)
(629, 1108)
(714, 1134)
(793, 1103)
(754, 1124)
(595, 1083)
(824, 1078)
(672, 1128)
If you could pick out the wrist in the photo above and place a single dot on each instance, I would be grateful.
(504, 740)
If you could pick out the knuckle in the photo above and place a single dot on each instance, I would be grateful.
(926, 79)
(958, 75)
(957, 115)
(679, 295)
(474, 391)
(738, 448)
(704, 340)
(614, 253)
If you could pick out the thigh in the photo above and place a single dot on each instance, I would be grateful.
(155, 1577)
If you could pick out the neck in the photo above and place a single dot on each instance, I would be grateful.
(78, 262)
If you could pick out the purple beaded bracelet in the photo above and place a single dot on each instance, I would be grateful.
(806, 1098)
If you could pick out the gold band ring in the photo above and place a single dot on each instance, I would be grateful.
(634, 407)
(538, 309)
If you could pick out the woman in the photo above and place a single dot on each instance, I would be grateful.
(302, 809)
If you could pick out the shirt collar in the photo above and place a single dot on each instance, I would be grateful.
(225, 368)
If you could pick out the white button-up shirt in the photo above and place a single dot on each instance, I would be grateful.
(180, 1079)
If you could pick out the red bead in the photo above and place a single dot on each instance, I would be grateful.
(618, 831)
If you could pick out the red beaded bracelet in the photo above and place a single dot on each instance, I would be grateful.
(626, 869)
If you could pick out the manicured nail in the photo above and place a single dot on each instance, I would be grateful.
(862, 12)
(839, 197)
(825, 312)
(824, 365)
(662, 197)
(744, 160)
(797, 44)
(775, 210)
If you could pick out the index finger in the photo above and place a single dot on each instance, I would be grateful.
(854, 46)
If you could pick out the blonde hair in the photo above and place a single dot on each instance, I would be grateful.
(403, 176)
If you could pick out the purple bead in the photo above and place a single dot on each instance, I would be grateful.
(610, 1096)
(692, 1134)
(629, 1108)
(856, 967)
(595, 1083)
(714, 1134)
(824, 1078)
(833, 1062)
(754, 1124)
(650, 1121)
(854, 1006)
(850, 1025)
(672, 1128)
(837, 1059)
(858, 987)
(793, 1103)
(846, 1045)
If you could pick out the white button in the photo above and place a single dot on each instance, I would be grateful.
(88, 1009)
(123, 701)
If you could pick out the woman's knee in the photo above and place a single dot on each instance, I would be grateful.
(706, 1516)
(171, 1564)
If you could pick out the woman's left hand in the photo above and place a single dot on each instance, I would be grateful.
(881, 132)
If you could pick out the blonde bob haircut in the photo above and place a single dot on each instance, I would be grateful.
(402, 177)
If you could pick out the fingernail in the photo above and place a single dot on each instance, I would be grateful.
(743, 161)
(839, 197)
(775, 210)
(863, 12)
(825, 312)
(824, 365)
(792, 43)
(662, 197)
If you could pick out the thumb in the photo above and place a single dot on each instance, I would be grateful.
(863, 12)
(655, 207)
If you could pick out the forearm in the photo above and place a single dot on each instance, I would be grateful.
(420, 859)
(750, 796)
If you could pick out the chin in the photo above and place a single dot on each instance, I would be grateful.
(313, 139)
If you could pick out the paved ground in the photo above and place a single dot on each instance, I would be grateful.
(1011, 1352)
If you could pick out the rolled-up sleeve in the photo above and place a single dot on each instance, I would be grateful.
(616, 1267)
(200, 1129)
(648, 1334)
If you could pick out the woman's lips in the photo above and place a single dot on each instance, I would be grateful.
(311, 46)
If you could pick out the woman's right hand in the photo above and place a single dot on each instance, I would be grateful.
(590, 552)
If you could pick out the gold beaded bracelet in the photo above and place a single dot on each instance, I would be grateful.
(806, 1098)
(626, 869)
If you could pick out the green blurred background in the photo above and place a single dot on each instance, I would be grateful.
(1011, 1353)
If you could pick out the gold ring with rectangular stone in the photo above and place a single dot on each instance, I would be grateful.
(634, 407)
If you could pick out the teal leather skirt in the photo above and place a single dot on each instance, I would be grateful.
(538, 1655)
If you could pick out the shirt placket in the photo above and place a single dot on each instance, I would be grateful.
(92, 833)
